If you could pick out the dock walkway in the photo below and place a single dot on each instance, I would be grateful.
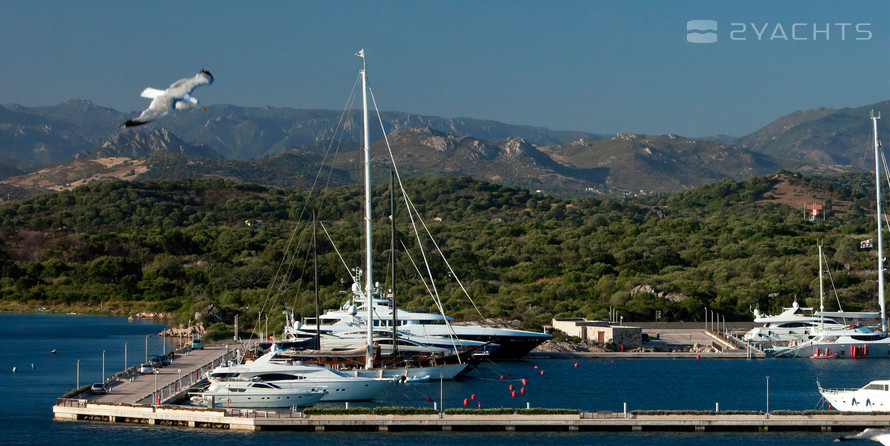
(185, 370)
(256, 420)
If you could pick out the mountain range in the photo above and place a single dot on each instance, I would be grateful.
(58, 147)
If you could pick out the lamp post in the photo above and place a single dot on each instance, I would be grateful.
(154, 399)
(179, 386)
(126, 365)
(78, 374)
(767, 396)
(146, 347)
(706, 318)
(103, 366)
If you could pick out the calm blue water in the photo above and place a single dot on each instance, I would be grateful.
(27, 395)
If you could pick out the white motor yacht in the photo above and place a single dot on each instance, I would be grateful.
(291, 374)
(256, 394)
(873, 397)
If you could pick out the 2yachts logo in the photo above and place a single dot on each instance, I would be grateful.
(705, 31)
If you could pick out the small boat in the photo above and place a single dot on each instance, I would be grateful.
(52, 352)
(873, 397)
(826, 354)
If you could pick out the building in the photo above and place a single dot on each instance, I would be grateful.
(601, 332)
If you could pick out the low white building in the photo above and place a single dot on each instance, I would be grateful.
(601, 332)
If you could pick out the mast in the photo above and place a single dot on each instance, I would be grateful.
(369, 280)
(874, 120)
(315, 280)
(392, 250)
(821, 292)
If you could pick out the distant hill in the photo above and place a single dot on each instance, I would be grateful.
(76, 142)
(47, 135)
(821, 140)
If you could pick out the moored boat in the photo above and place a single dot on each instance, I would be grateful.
(873, 397)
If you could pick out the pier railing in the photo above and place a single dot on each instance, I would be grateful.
(177, 389)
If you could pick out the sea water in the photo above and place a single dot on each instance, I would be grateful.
(40, 377)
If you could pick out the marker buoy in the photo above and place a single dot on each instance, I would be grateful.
(536, 366)
(479, 406)
(513, 394)
(576, 364)
(502, 376)
(511, 386)
(429, 399)
(466, 402)
(542, 372)
(473, 396)
(613, 361)
(522, 390)
(697, 356)
(524, 382)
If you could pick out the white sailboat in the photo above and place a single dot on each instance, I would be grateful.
(433, 365)
(869, 344)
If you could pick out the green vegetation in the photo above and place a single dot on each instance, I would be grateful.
(184, 247)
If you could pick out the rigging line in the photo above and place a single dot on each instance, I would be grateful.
(831, 280)
(348, 271)
(338, 129)
(409, 204)
(410, 214)
(447, 263)
(437, 301)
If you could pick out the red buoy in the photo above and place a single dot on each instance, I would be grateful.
(697, 356)
(511, 386)
(542, 372)
(479, 406)
(466, 402)
(513, 394)
(429, 399)
(473, 396)
(524, 382)
(522, 390)
(536, 366)
(576, 364)
(502, 376)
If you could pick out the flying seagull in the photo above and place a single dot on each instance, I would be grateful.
(178, 96)
(880, 435)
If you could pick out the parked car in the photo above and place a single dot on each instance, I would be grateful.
(156, 362)
(146, 369)
(165, 360)
(197, 344)
(98, 389)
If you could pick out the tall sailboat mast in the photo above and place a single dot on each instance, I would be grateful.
(874, 120)
(369, 279)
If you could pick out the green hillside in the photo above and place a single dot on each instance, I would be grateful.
(183, 246)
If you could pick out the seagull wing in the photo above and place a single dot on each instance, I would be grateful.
(183, 87)
(164, 101)
(159, 107)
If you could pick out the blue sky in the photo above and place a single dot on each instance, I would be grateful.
(597, 65)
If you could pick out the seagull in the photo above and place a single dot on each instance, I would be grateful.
(880, 435)
(178, 96)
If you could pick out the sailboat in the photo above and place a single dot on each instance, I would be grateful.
(437, 363)
(867, 343)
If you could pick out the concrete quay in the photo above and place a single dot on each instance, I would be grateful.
(257, 420)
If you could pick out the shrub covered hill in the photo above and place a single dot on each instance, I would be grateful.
(212, 249)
